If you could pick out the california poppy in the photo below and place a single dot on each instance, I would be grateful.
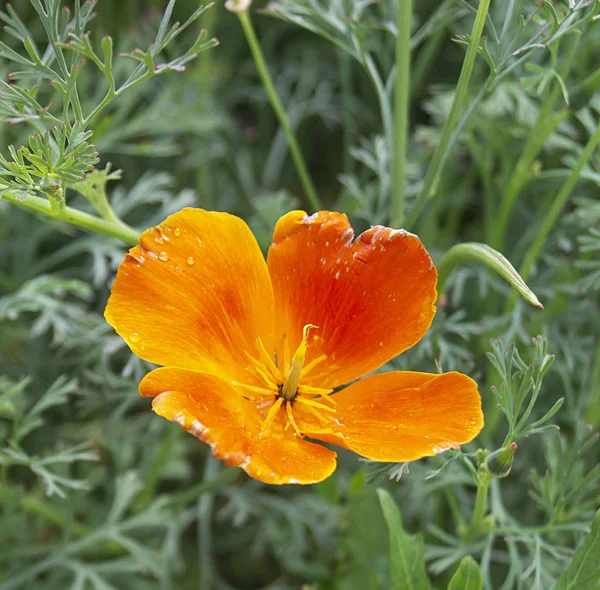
(260, 357)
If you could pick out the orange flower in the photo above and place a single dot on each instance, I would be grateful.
(254, 354)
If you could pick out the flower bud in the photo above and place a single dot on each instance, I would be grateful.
(499, 463)
(238, 5)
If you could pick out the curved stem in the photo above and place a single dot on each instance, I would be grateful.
(284, 121)
(114, 229)
(476, 526)
(401, 108)
(482, 253)
(439, 157)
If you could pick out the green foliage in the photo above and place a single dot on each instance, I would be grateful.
(468, 576)
(512, 369)
(96, 491)
(406, 551)
(584, 569)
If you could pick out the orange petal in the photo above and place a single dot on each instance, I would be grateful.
(194, 294)
(212, 410)
(403, 416)
(371, 297)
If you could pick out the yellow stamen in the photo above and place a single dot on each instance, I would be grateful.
(253, 388)
(270, 363)
(313, 364)
(318, 415)
(281, 362)
(270, 417)
(256, 367)
(314, 404)
(310, 390)
(290, 416)
(318, 392)
(290, 387)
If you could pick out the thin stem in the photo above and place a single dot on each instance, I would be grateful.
(547, 122)
(401, 108)
(346, 83)
(284, 121)
(592, 410)
(545, 126)
(557, 206)
(114, 229)
(441, 153)
(483, 254)
(476, 526)
(382, 97)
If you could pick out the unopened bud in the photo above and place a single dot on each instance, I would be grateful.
(499, 463)
(238, 5)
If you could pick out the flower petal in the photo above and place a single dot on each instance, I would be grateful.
(403, 416)
(371, 298)
(194, 294)
(212, 410)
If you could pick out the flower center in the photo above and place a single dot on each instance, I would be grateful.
(283, 389)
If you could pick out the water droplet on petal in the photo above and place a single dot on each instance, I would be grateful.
(134, 338)
(163, 256)
(176, 232)
(191, 261)
(381, 344)
(159, 241)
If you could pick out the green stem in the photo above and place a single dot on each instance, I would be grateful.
(592, 409)
(114, 229)
(284, 121)
(382, 97)
(346, 82)
(545, 126)
(557, 206)
(547, 122)
(441, 153)
(476, 526)
(401, 108)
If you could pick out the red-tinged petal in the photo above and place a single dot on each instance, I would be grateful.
(371, 297)
(403, 416)
(195, 294)
(217, 414)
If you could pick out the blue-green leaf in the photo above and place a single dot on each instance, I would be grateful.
(584, 569)
(406, 551)
(467, 576)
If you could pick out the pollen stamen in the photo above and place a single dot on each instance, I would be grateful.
(257, 368)
(269, 360)
(318, 392)
(270, 417)
(290, 417)
(310, 366)
(319, 416)
(253, 388)
(314, 404)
